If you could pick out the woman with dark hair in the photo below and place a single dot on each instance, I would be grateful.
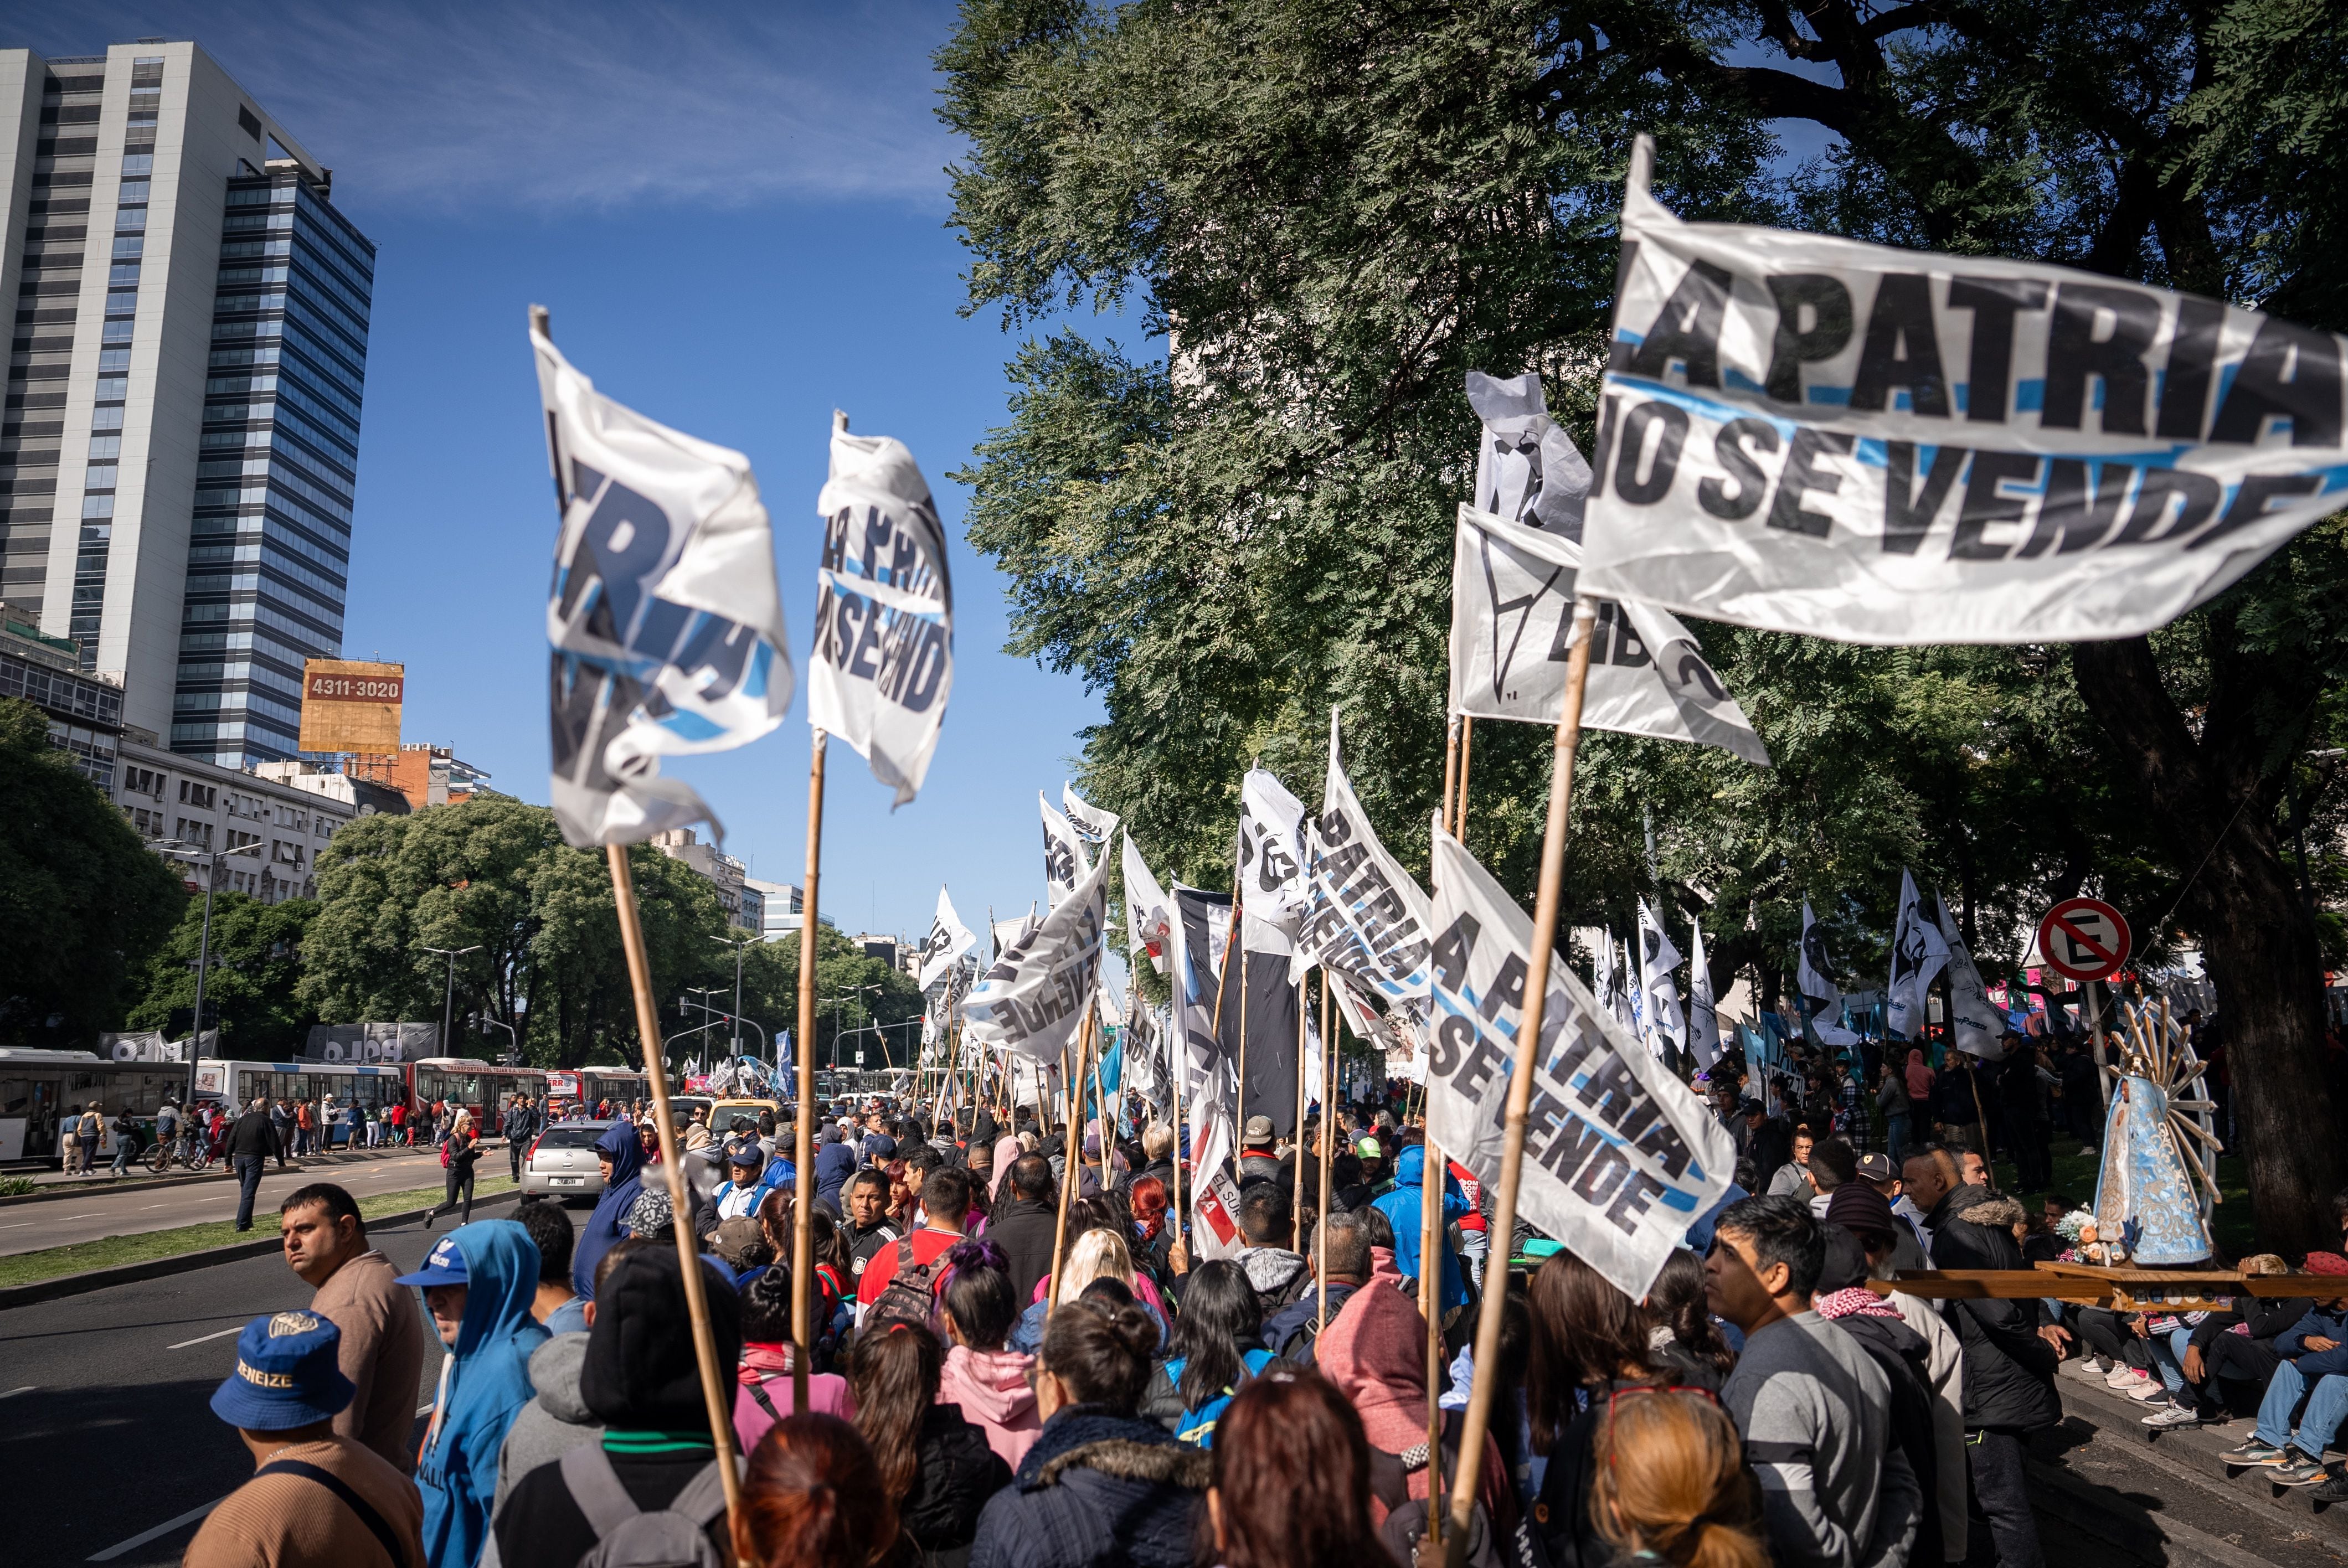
(835, 1304)
(935, 1467)
(1217, 1346)
(1291, 1480)
(764, 1397)
(814, 1495)
(988, 1381)
(1683, 1329)
(1590, 1342)
(1100, 1485)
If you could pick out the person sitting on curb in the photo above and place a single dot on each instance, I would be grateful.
(2314, 1366)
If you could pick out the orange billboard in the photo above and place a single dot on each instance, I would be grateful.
(350, 706)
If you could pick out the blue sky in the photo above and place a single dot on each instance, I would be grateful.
(737, 218)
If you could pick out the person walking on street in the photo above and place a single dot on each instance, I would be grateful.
(305, 1128)
(249, 1143)
(280, 1122)
(69, 1140)
(317, 1497)
(382, 1337)
(125, 1141)
(90, 1131)
(516, 1128)
(459, 1156)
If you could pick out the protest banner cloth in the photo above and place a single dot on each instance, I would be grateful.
(1149, 917)
(1919, 952)
(665, 618)
(1704, 1017)
(1269, 872)
(1032, 998)
(1659, 995)
(1512, 592)
(1620, 1156)
(1887, 446)
(1065, 858)
(1976, 1026)
(1528, 469)
(1094, 825)
(883, 662)
(944, 947)
(1366, 919)
(667, 628)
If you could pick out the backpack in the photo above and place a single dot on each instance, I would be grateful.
(626, 1536)
(908, 1298)
(1406, 1521)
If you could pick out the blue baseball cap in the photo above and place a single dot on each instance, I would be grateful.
(286, 1375)
(444, 1264)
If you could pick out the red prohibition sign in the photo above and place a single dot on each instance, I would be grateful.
(2085, 939)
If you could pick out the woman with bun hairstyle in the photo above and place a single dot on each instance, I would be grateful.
(1100, 1485)
(1673, 1487)
(986, 1380)
(813, 1494)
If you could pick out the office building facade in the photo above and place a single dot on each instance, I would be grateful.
(180, 443)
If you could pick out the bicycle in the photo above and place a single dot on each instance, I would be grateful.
(191, 1152)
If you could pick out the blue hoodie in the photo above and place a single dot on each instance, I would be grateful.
(483, 1393)
(618, 1144)
(1401, 1205)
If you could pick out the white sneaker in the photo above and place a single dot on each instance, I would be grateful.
(2125, 1378)
(2094, 1366)
(2154, 1388)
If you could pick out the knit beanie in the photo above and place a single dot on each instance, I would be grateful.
(640, 1374)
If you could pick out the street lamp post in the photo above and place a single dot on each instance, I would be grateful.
(212, 859)
(448, 997)
(737, 944)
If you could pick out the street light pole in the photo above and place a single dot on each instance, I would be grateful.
(737, 944)
(212, 859)
(448, 997)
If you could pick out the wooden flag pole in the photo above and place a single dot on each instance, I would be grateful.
(1100, 1100)
(1296, 1208)
(803, 1132)
(1450, 765)
(1503, 1227)
(716, 1383)
(1073, 1157)
(1178, 1062)
(1328, 1132)
(1459, 800)
(1430, 1268)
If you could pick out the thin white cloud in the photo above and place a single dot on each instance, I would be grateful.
(447, 108)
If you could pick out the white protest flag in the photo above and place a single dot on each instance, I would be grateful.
(948, 940)
(1008, 934)
(1704, 1017)
(1215, 1215)
(1094, 825)
(1065, 859)
(665, 619)
(1269, 874)
(1659, 992)
(1365, 918)
(1919, 952)
(1512, 592)
(1818, 435)
(1528, 469)
(1037, 992)
(1978, 1026)
(883, 663)
(1814, 970)
(1619, 1156)
(1149, 915)
(950, 1100)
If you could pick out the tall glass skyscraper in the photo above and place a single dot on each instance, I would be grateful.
(180, 438)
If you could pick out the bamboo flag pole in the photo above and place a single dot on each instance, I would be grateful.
(1502, 1228)
(1073, 1158)
(1450, 763)
(803, 1188)
(716, 1383)
(1430, 1270)
(1328, 1131)
(1459, 800)
(1178, 1062)
(1296, 1208)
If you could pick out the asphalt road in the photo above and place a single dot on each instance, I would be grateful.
(61, 1221)
(106, 1437)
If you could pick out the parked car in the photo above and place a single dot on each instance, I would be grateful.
(560, 1163)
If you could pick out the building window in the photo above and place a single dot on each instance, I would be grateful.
(250, 121)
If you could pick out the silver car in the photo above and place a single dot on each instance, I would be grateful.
(561, 1161)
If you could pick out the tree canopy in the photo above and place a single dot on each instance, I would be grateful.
(82, 900)
(1331, 212)
(251, 994)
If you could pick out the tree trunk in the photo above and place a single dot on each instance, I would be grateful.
(2208, 800)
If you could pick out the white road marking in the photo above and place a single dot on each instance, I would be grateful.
(165, 1528)
(13, 1392)
(20, 1225)
(201, 1338)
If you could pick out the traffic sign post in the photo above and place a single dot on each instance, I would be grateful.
(2087, 940)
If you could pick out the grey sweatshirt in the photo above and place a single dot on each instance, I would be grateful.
(553, 1423)
(1815, 1415)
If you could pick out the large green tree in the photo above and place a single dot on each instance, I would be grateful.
(82, 902)
(1331, 211)
(856, 996)
(251, 994)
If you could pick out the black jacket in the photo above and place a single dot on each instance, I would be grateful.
(1904, 1357)
(1023, 1229)
(1291, 1332)
(254, 1135)
(954, 1474)
(1771, 1146)
(2267, 1315)
(2009, 1369)
(1098, 1489)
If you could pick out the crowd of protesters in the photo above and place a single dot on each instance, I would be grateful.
(1768, 1398)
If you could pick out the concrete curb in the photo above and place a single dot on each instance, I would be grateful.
(81, 1284)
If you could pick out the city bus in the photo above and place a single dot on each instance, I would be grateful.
(588, 1085)
(237, 1083)
(482, 1087)
(37, 1088)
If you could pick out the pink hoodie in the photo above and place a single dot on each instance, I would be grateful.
(991, 1387)
(769, 1368)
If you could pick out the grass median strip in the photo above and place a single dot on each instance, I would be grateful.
(112, 1252)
